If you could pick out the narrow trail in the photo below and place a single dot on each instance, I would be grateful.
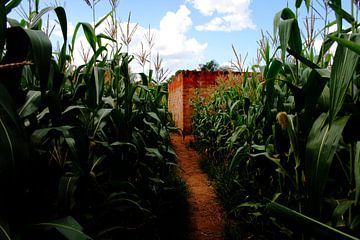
(206, 214)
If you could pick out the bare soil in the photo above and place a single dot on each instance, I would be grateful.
(206, 214)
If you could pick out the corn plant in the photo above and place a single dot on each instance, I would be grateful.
(301, 153)
(85, 150)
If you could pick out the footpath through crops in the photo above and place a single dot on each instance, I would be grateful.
(204, 209)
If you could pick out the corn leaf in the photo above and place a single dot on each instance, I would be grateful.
(342, 72)
(337, 218)
(320, 149)
(101, 115)
(31, 105)
(289, 32)
(271, 74)
(357, 172)
(298, 3)
(308, 224)
(99, 78)
(352, 45)
(68, 227)
(313, 88)
(302, 59)
(89, 34)
(102, 19)
(2, 26)
(12, 4)
(286, 13)
(4, 231)
(66, 191)
(337, 4)
(41, 51)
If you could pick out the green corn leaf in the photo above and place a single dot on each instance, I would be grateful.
(68, 227)
(66, 191)
(337, 5)
(130, 146)
(89, 34)
(11, 5)
(154, 153)
(13, 23)
(284, 14)
(284, 35)
(295, 42)
(350, 44)
(99, 78)
(31, 105)
(313, 89)
(287, 13)
(308, 224)
(342, 72)
(276, 23)
(2, 27)
(41, 51)
(94, 58)
(298, 3)
(37, 18)
(38, 135)
(321, 145)
(61, 15)
(302, 59)
(308, 3)
(357, 172)
(154, 116)
(289, 34)
(101, 115)
(270, 76)
(102, 19)
(277, 162)
(337, 218)
(103, 36)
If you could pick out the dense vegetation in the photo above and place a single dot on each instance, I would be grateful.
(85, 150)
(282, 143)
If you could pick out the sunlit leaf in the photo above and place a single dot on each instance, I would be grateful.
(345, 61)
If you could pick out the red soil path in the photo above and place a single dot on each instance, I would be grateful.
(205, 211)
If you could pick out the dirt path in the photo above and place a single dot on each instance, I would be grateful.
(205, 212)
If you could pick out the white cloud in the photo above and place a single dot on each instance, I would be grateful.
(178, 50)
(227, 15)
(173, 43)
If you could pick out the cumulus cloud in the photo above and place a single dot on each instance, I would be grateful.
(171, 41)
(227, 15)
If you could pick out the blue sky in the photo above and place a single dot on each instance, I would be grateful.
(188, 32)
(201, 45)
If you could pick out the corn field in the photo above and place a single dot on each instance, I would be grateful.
(282, 143)
(85, 150)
